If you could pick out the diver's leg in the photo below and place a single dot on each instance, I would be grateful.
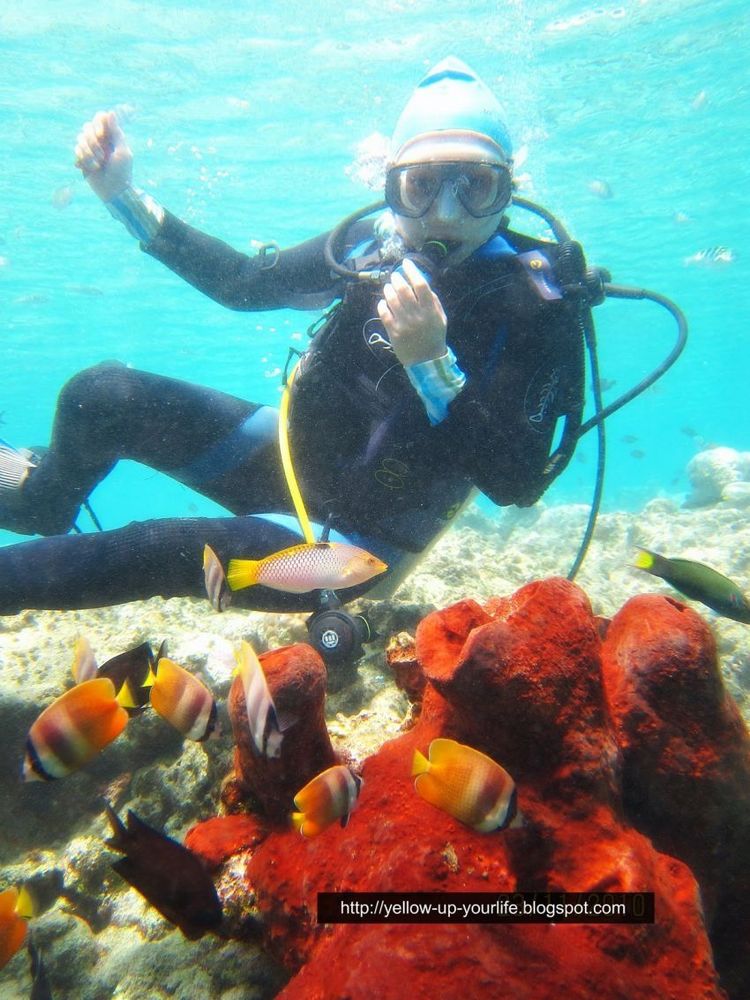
(110, 412)
(147, 559)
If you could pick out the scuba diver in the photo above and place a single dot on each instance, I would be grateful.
(452, 359)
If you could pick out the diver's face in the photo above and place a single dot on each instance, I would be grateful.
(451, 188)
(447, 221)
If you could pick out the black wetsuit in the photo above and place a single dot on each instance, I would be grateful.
(366, 456)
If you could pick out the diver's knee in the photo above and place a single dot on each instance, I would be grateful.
(92, 384)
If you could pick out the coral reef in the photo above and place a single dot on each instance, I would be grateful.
(686, 762)
(58, 829)
(519, 678)
(715, 470)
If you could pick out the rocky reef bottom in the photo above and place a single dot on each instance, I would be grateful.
(631, 765)
(614, 710)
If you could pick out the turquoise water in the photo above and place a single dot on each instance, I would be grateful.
(244, 122)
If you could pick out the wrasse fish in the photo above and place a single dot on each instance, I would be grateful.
(699, 583)
(302, 568)
(465, 783)
(266, 729)
(331, 795)
(215, 579)
(182, 700)
(73, 729)
(712, 257)
(169, 876)
(15, 910)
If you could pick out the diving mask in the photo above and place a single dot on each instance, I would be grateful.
(482, 188)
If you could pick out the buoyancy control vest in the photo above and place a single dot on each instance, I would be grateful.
(365, 450)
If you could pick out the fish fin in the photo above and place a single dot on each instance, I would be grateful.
(25, 906)
(419, 764)
(284, 720)
(84, 665)
(518, 821)
(443, 749)
(242, 573)
(297, 820)
(119, 839)
(272, 744)
(150, 676)
(125, 697)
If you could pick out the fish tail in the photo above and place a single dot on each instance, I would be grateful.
(125, 697)
(419, 764)
(243, 573)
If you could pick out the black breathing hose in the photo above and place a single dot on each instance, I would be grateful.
(592, 286)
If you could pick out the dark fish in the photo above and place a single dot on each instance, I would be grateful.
(637, 453)
(40, 988)
(133, 667)
(699, 583)
(629, 438)
(169, 876)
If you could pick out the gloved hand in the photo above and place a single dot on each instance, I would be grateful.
(413, 316)
(103, 156)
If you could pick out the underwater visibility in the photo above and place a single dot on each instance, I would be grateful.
(374, 495)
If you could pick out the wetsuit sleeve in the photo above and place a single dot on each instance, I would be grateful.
(299, 278)
(503, 430)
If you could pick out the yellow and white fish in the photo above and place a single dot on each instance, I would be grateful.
(266, 729)
(215, 580)
(465, 783)
(302, 568)
(182, 700)
(330, 796)
(74, 728)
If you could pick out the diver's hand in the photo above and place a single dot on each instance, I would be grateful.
(413, 316)
(103, 156)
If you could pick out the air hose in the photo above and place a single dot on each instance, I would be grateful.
(590, 286)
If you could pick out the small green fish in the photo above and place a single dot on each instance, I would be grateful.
(699, 583)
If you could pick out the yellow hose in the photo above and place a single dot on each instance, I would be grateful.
(286, 462)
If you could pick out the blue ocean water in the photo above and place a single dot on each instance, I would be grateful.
(244, 120)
